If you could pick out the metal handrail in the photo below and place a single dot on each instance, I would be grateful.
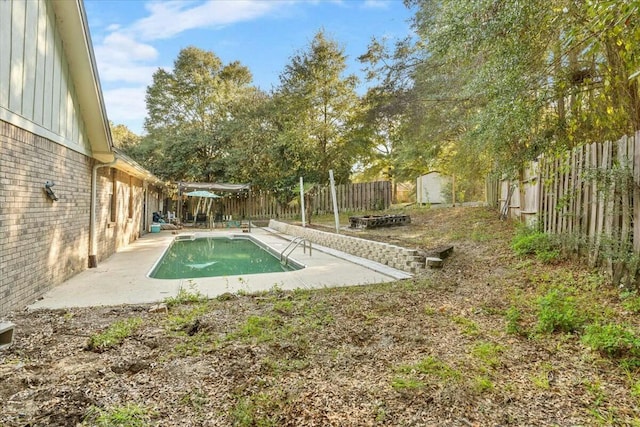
(293, 245)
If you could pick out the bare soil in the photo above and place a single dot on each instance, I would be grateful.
(442, 349)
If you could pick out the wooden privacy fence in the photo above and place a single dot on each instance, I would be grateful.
(366, 196)
(591, 193)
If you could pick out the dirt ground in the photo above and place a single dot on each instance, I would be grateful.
(458, 346)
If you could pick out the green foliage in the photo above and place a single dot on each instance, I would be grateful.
(316, 104)
(635, 389)
(259, 329)
(558, 312)
(513, 317)
(612, 340)
(482, 384)
(132, 415)
(431, 366)
(541, 378)
(469, 327)
(488, 352)
(490, 85)
(189, 131)
(114, 334)
(631, 301)
(185, 317)
(531, 242)
(186, 296)
(400, 383)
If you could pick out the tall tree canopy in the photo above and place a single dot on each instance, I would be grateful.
(492, 83)
(189, 111)
(316, 106)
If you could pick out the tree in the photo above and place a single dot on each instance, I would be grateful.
(539, 76)
(316, 106)
(124, 138)
(189, 110)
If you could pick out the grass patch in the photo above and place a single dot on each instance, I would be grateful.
(261, 409)
(482, 384)
(119, 416)
(513, 316)
(114, 334)
(186, 296)
(630, 301)
(258, 329)
(488, 352)
(541, 378)
(186, 317)
(194, 345)
(432, 367)
(469, 327)
(401, 383)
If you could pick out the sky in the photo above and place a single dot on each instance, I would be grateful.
(133, 38)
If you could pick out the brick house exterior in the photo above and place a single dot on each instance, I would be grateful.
(53, 127)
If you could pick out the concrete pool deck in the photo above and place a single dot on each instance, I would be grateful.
(122, 278)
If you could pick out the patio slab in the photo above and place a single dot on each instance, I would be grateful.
(122, 278)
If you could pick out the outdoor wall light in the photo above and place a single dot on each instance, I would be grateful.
(49, 191)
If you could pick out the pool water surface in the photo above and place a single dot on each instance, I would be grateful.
(216, 256)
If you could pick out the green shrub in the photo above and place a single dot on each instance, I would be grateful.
(557, 312)
(513, 317)
(531, 242)
(630, 301)
(612, 340)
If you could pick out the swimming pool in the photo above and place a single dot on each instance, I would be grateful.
(189, 257)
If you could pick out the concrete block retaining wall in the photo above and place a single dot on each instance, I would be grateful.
(409, 260)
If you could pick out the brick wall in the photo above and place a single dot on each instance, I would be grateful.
(42, 242)
(409, 260)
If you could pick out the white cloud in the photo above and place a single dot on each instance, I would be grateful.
(169, 18)
(121, 58)
(376, 4)
(126, 55)
(126, 106)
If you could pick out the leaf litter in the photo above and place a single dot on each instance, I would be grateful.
(428, 351)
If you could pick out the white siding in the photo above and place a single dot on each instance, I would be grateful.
(5, 46)
(36, 88)
(41, 46)
(17, 55)
(30, 58)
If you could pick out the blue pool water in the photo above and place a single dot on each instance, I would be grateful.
(216, 256)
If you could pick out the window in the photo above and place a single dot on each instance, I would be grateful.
(130, 197)
(113, 197)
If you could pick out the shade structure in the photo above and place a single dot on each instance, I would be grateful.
(194, 188)
(202, 193)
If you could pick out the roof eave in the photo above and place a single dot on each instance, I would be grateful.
(76, 40)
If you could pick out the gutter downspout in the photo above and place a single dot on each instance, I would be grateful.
(93, 240)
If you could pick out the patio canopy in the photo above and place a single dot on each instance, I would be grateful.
(212, 186)
(202, 193)
(205, 190)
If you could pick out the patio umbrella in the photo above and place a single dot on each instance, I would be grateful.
(203, 194)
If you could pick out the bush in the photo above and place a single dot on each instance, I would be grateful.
(557, 312)
(612, 340)
(531, 242)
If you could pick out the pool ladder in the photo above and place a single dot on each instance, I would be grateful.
(284, 258)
